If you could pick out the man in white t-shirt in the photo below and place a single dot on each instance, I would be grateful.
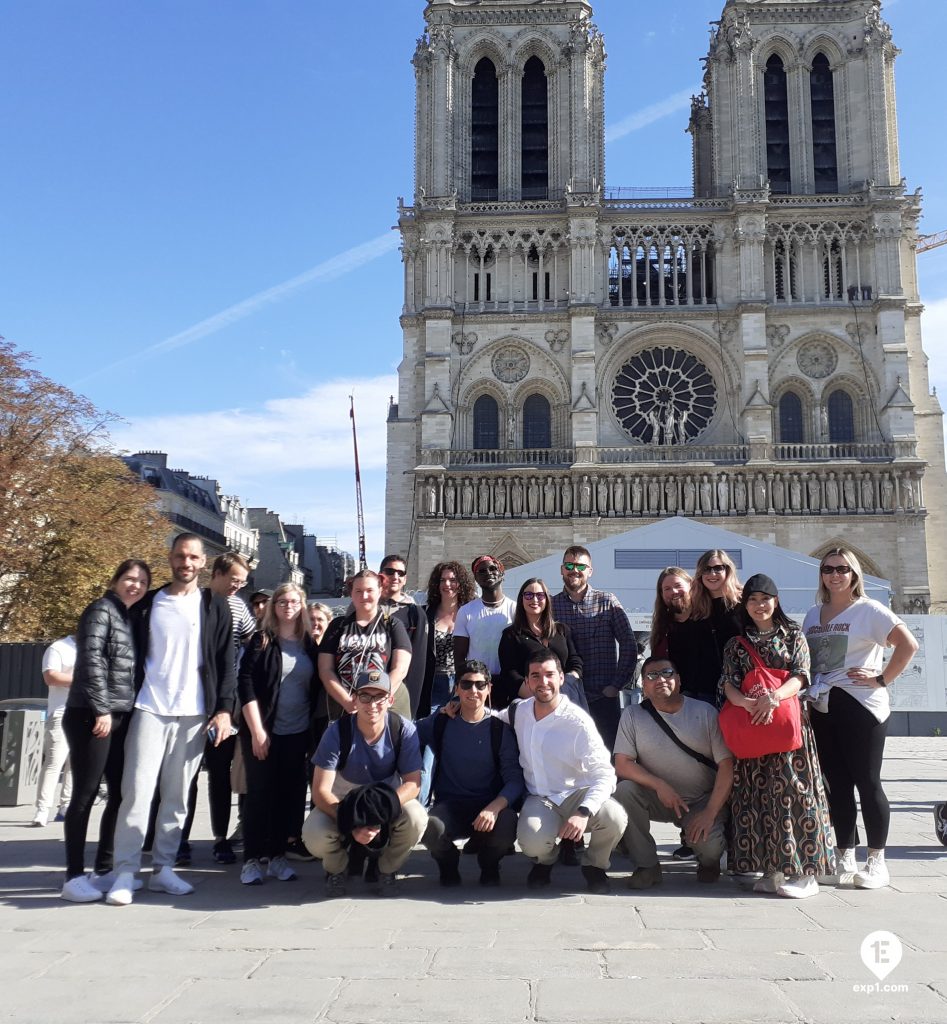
(58, 663)
(185, 685)
(480, 623)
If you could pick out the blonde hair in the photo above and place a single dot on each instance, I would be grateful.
(702, 602)
(856, 586)
(270, 623)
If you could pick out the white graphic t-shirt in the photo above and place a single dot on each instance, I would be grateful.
(855, 638)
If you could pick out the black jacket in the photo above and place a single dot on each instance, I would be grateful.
(261, 674)
(517, 647)
(218, 674)
(104, 676)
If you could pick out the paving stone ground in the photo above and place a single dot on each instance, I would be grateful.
(282, 953)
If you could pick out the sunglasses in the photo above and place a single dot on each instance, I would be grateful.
(388, 571)
(659, 673)
(831, 570)
(371, 698)
(713, 569)
(470, 684)
(575, 566)
(532, 595)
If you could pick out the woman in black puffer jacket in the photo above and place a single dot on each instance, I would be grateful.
(95, 722)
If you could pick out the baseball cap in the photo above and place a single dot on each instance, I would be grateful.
(374, 679)
(760, 584)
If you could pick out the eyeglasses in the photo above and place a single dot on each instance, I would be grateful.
(371, 698)
(831, 570)
(388, 571)
(575, 566)
(534, 595)
(710, 570)
(470, 684)
(660, 673)
(286, 603)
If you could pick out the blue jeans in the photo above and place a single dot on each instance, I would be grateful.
(442, 689)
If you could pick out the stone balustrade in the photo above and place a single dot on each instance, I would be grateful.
(775, 491)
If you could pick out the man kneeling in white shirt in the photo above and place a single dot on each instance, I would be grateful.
(569, 778)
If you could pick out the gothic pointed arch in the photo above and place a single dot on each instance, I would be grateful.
(486, 422)
(822, 113)
(776, 114)
(534, 130)
(485, 131)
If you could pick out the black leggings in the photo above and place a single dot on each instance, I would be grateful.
(851, 744)
(276, 794)
(90, 757)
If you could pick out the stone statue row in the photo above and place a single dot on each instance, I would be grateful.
(719, 493)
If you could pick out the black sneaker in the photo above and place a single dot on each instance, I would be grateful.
(184, 855)
(449, 875)
(596, 880)
(490, 875)
(296, 850)
(684, 853)
(940, 822)
(540, 875)
(223, 852)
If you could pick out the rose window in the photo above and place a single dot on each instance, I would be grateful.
(664, 396)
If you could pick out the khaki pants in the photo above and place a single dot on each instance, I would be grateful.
(643, 806)
(323, 839)
(541, 819)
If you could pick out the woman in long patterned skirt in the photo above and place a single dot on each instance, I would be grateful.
(780, 818)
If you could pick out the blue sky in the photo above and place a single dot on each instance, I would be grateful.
(197, 203)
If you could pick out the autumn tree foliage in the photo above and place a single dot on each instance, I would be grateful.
(70, 511)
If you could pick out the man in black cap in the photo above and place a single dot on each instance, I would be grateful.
(357, 753)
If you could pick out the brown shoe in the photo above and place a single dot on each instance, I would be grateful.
(645, 878)
(708, 873)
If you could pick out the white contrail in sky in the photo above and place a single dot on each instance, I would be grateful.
(328, 270)
(648, 115)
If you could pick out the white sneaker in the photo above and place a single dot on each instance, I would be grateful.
(105, 882)
(845, 868)
(80, 890)
(799, 888)
(769, 883)
(167, 881)
(120, 895)
(252, 872)
(40, 818)
(874, 875)
(279, 868)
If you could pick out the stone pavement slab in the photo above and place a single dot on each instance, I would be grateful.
(281, 952)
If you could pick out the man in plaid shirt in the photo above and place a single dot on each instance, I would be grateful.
(603, 637)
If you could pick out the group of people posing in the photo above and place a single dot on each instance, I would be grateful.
(480, 718)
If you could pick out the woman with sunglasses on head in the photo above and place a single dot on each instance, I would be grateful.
(714, 619)
(847, 634)
(533, 630)
(780, 818)
(278, 688)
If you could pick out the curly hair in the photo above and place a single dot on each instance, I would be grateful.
(466, 589)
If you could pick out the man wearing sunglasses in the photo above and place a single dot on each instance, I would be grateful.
(603, 638)
(374, 747)
(477, 781)
(401, 606)
(673, 766)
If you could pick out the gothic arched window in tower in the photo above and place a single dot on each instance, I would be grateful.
(841, 417)
(822, 93)
(537, 423)
(534, 135)
(664, 396)
(485, 132)
(791, 427)
(776, 104)
(486, 422)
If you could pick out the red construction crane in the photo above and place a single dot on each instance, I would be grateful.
(927, 242)
(362, 560)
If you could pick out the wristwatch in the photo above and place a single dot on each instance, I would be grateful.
(584, 810)
(880, 680)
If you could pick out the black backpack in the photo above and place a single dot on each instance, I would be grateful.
(346, 736)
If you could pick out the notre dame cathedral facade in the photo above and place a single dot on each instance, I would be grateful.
(577, 362)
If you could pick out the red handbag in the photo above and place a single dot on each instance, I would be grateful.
(782, 734)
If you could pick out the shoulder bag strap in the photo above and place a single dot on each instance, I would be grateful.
(646, 705)
(753, 653)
